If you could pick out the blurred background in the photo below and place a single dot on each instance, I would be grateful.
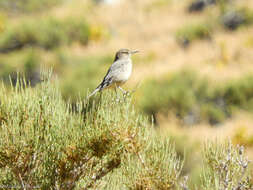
(193, 75)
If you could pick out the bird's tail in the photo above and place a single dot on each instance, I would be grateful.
(94, 92)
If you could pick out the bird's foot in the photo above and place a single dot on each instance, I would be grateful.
(126, 93)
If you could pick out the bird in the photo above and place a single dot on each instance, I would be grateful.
(118, 73)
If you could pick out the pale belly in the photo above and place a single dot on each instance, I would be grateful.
(124, 75)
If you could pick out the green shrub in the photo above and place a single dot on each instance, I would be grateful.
(45, 144)
(243, 137)
(239, 93)
(46, 33)
(157, 4)
(76, 74)
(26, 6)
(223, 5)
(195, 99)
(233, 19)
(102, 143)
(192, 32)
(80, 74)
(155, 168)
(248, 14)
(177, 94)
(229, 16)
(227, 167)
(26, 62)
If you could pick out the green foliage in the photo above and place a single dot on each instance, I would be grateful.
(26, 6)
(243, 137)
(153, 5)
(233, 19)
(195, 99)
(45, 33)
(77, 73)
(248, 14)
(228, 15)
(238, 93)
(155, 168)
(223, 5)
(49, 144)
(192, 32)
(102, 143)
(226, 168)
(176, 93)
(82, 73)
(26, 62)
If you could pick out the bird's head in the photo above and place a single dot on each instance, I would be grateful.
(124, 53)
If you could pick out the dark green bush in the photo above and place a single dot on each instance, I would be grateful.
(77, 74)
(175, 93)
(26, 62)
(26, 6)
(248, 14)
(192, 32)
(195, 99)
(80, 74)
(46, 33)
(47, 146)
(233, 19)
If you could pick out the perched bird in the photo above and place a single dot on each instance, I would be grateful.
(118, 73)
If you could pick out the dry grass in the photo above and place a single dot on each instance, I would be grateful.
(200, 133)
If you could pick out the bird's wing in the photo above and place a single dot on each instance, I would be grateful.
(112, 73)
(115, 69)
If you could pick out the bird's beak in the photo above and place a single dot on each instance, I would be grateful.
(134, 51)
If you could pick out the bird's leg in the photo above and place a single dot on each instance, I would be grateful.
(125, 93)
(122, 90)
(117, 95)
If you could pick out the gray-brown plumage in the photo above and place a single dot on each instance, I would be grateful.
(118, 73)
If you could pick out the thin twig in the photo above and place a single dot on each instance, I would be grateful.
(23, 185)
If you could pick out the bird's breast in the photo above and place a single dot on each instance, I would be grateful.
(125, 73)
(128, 70)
